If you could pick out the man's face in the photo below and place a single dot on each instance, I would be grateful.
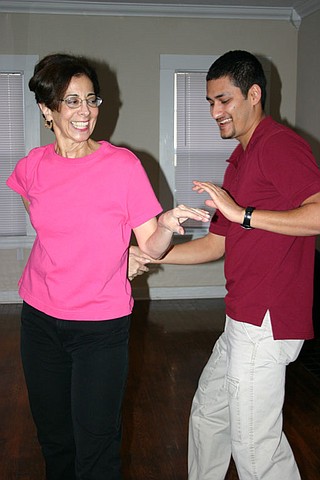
(236, 116)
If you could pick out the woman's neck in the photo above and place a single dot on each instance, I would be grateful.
(76, 149)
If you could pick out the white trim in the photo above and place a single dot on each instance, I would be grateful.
(149, 293)
(10, 297)
(179, 293)
(8, 243)
(25, 64)
(295, 19)
(147, 9)
(169, 63)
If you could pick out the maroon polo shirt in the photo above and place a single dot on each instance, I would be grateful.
(265, 270)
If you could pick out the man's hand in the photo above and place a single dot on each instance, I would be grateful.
(221, 200)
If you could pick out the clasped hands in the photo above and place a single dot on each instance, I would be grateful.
(171, 221)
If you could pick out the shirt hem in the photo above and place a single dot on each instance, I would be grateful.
(80, 315)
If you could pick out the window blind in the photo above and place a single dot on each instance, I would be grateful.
(200, 153)
(12, 148)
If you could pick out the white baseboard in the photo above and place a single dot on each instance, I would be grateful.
(169, 293)
(151, 293)
(10, 297)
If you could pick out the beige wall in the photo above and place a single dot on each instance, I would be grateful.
(308, 79)
(132, 46)
(127, 51)
(308, 76)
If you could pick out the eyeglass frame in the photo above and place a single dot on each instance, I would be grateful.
(97, 98)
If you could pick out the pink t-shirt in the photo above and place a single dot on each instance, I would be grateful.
(83, 211)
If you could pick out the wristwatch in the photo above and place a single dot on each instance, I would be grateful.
(247, 218)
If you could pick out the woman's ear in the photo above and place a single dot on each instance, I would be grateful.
(46, 112)
(47, 115)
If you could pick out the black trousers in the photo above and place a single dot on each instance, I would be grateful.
(76, 374)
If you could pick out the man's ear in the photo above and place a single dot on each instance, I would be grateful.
(255, 94)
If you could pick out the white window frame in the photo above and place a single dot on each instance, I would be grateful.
(24, 64)
(169, 65)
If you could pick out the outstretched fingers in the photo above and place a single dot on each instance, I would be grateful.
(183, 213)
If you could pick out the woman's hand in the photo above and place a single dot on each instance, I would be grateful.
(154, 236)
(172, 219)
(137, 263)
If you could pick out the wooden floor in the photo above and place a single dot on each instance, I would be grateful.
(170, 343)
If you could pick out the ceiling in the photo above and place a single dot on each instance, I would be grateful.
(291, 10)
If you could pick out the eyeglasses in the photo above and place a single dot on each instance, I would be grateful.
(73, 101)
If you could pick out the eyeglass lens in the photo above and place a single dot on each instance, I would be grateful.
(74, 101)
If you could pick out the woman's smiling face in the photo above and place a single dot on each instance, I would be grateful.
(74, 125)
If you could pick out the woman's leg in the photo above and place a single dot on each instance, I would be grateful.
(99, 353)
(76, 374)
(47, 370)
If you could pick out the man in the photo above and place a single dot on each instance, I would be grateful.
(267, 216)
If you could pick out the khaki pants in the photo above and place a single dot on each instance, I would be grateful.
(237, 408)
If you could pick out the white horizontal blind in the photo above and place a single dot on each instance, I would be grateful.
(200, 153)
(12, 148)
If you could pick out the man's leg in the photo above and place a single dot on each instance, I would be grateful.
(209, 429)
(256, 379)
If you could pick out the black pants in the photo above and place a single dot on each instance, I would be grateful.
(76, 375)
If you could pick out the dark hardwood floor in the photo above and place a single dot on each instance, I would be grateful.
(170, 343)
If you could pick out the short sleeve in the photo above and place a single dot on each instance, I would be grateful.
(18, 178)
(142, 201)
(290, 166)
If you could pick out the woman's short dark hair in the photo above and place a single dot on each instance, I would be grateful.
(243, 70)
(52, 75)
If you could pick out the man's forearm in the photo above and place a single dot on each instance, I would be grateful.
(201, 250)
(302, 221)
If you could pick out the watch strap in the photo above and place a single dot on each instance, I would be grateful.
(247, 218)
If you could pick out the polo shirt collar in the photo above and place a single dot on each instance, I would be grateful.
(257, 134)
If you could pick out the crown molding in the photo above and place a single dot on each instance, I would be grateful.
(142, 9)
(152, 10)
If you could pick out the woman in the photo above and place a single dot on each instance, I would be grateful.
(84, 199)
